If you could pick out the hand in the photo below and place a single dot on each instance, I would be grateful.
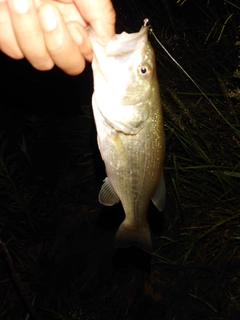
(49, 32)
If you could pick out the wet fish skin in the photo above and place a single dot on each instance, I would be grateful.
(130, 132)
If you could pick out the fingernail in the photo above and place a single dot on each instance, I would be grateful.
(48, 17)
(76, 34)
(20, 6)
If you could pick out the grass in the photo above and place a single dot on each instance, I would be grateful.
(59, 238)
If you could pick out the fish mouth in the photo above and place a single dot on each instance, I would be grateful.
(125, 43)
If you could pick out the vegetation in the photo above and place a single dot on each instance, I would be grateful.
(56, 255)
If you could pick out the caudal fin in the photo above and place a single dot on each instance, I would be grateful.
(127, 236)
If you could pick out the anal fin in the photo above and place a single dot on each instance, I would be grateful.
(159, 197)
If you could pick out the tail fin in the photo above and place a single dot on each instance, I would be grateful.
(127, 236)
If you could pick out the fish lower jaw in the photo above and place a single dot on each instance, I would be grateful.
(128, 119)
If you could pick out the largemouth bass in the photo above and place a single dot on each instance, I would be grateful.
(130, 132)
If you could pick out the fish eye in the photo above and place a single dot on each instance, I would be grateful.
(144, 70)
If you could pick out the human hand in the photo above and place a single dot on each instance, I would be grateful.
(49, 32)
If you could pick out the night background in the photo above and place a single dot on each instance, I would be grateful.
(57, 259)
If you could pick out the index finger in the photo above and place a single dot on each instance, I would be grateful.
(100, 14)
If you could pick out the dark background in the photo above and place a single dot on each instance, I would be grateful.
(57, 260)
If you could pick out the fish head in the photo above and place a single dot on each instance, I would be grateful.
(124, 72)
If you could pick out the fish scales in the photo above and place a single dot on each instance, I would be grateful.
(130, 132)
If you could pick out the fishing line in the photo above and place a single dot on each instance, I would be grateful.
(146, 23)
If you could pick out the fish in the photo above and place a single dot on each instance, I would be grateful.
(128, 115)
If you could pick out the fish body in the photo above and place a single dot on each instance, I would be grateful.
(130, 132)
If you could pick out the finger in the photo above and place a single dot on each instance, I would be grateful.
(100, 15)
(80, 36)
(67, 8)
(28, 33)
(8, 42)
(60, 44)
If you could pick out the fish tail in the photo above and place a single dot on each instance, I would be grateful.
(127, 236)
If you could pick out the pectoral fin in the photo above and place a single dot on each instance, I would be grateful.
(159, 197)
(107, 195)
